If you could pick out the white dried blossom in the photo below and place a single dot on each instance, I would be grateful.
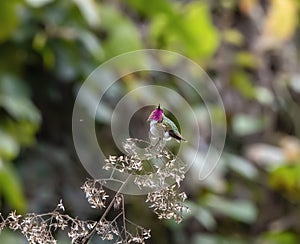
(95, 193)
(128, 164)
(170, 169)
(14, 219)
(168, 203)
(61, 206)
(118, 201)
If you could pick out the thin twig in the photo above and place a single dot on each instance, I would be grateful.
(91, 234)
(124, 217)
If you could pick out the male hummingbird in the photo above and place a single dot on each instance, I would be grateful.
(162, 126)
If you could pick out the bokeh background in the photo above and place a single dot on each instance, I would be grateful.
(250, 49)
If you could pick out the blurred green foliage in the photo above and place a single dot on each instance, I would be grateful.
(248, 47)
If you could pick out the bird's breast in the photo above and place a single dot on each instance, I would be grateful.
(157, 130)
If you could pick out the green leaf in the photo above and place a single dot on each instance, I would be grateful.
(280, 237)
(122, 34)
(153, 8)
(9, 148)
(38, 3)
(20, 108)
(124, 39)
(264, 95)
(8, 19)
(233, 37)
(22, 131)
(243, 83)
(91, 43)
(286, 178)
(216, 239)
(90, 11)
(202, 215)
(11, 85)
(190, 30)
(242, 166)
(246, 59)
(14, 98)
(294, 83)
(11, 188)
(242, 210)
(244, 124)
(204, 37)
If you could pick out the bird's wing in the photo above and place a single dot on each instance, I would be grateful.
(172, 129)
(170, 125)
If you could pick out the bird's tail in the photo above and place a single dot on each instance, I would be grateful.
(177, 137)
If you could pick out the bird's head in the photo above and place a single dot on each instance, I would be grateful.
(157, 114)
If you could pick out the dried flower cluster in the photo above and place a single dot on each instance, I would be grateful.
(79, 230)
(165, 200)
(162, 168)
(168, 168)
(129, 164)
(109, 229)
(168, 203)
(38, 228)
(95, 193)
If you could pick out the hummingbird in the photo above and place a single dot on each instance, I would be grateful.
(162, 126)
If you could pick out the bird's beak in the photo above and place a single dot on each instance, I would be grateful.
(158, 106)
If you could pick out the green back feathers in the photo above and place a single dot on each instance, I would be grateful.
(170, 125)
